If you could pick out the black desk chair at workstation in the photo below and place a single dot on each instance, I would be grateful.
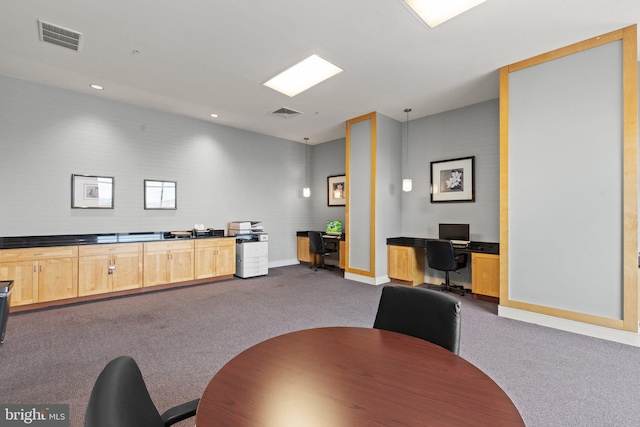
(421, 313)
(441, 256)
(318, 246)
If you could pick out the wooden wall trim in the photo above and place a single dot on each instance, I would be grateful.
(628, 36)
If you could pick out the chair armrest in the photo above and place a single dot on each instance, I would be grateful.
(461, 260)
(180, 412)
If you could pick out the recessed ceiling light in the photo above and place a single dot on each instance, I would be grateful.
(214, 115)
(435, 12)
(303, 75)
(96, 87)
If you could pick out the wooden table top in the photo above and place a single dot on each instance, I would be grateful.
(347, 376)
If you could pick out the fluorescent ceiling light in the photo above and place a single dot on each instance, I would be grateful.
(303, 75)
(435, 12)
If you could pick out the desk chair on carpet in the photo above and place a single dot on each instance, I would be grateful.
(422, 313)
(441, 256)
(317, 246)
(120, 399)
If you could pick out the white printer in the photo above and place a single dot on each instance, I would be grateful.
(252, 250)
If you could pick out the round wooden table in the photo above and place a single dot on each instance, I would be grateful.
(346, 376)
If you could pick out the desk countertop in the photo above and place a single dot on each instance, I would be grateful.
(89, 239)
(419, 242)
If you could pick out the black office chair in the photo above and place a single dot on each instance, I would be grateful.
(120, 399)
(421, 313)
(317, 246)
(441, 256)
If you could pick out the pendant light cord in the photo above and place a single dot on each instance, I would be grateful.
(407, 110)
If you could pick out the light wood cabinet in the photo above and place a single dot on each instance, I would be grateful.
(40, 274)
(342, 263)
(304, 254)
(109, 268)
(215, 257)
(168, 262)
(406, 263)
(485, 274)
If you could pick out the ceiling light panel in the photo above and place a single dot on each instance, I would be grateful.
(303, 75)
(435, 12)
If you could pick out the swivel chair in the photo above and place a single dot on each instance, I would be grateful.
(317, 246)
(120, 399)
(421, 313)
(441, 256)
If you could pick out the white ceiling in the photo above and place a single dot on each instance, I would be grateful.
(202, 56)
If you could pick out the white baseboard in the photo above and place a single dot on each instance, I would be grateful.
(284, 263)
(623, 337)
(376, 281)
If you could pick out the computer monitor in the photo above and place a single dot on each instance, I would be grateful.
(453, 232)
(334, 226)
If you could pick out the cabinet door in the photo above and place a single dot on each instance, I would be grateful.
(205, 262)
(156, 268)
(58, 279)
(127, 273)
(93, 275)
(181, 265)
(25, 281)
(485, 274)
(400, 262)
(226, 260)
(304, 255)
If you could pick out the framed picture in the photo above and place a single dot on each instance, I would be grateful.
(336, 187)
(91, 192)
(453, 180)
(160, 194)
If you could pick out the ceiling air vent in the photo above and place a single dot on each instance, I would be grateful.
(286, 113)
(57, 35)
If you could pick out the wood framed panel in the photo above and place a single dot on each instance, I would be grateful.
(612, 300)
(360, 212)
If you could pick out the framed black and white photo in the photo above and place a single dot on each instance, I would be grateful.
(336, 187)
(160, 194)
(91, 192)
(453, 180)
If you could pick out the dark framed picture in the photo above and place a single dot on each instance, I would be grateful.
(91, 192)
(160, 194)
(336, 188)
(453, 180)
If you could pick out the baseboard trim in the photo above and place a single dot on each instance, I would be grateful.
(375, 281)
(595, 331)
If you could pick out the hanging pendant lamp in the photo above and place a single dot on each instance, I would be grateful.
(407, 183)
(306, 191)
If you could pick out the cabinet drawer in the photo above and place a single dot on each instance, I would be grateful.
(34, 254)
(215, 242)
(168, 246)
(108, 249)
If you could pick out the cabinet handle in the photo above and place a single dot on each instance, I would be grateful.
(40, 269)
(35, 269)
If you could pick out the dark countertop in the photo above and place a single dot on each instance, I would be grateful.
(418, 242)
(306, 234)
(94, 239)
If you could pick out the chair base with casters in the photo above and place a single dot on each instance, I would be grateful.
(120, 398)
(317, 246)
(441, 256)
(447, 286)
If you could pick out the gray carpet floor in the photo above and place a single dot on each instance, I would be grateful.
(181, 337)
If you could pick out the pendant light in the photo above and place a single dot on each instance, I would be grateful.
(306, 191)
(407, 183)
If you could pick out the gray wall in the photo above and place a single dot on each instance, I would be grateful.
(468, 131)
(223, 174)
(328, 159)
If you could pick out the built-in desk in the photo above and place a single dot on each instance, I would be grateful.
(406, 261)
(305, 255)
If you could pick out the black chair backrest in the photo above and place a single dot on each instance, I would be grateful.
(441, 256)
(120, 398)
(316, 243)
(423, 313)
